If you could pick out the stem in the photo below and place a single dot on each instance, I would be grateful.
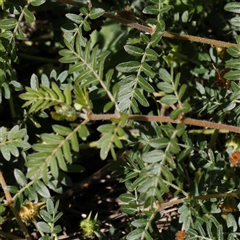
(218, 195)
(146, 118)
(10, 203)
(191, 38)
(167, 34)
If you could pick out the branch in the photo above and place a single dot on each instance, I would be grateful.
(9, 202)
(167, 34)
(146, 118)
(191, 38)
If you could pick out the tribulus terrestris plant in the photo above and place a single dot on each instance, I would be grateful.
(150, 87)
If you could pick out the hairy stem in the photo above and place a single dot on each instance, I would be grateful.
(10, 203)
(191, 38)
(146, 118)
(167, 34)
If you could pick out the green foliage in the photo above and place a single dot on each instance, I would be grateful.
(50, 217)
(122, 76)
(11, 141)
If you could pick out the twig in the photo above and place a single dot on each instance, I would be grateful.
(9, 202)
(191, 38)
(167, 34)
(218, 195)
(146, 118)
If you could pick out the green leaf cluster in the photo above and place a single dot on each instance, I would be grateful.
(11, 140)
(50, 216)
(54, 154)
